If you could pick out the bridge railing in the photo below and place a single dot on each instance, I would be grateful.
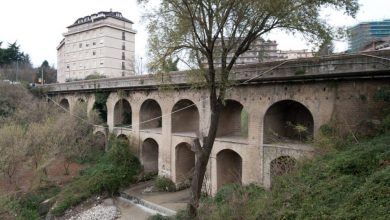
(317, 67)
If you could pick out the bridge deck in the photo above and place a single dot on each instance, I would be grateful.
(318, 68)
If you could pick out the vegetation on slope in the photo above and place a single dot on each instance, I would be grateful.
(33, 134)
(352, 182)
(115, 169)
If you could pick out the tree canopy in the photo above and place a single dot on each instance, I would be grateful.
(12, 54)
(202, 33)
(210, 29)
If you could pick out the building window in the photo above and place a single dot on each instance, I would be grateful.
(80, 45)
(123, 55)
(123, 73)
(123, 46)
(123, 36)
(93, 43)
(93, 53)
(87, 45)
(123, 66)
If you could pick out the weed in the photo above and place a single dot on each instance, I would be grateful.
(300, 72)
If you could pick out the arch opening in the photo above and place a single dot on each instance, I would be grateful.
(100, 105)
(186, 120)
(150, 115)
(229, 168)
(233, 121)
(64, 103)
(282, 165)
(100, 141)
(122, 114)
(288, 122)
(185, 163)
(123, 137)
(150, 156)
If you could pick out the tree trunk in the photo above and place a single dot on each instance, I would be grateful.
(202, 157)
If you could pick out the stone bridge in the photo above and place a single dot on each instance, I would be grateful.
(266, 125)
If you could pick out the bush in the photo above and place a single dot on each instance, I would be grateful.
(349, 183)
(164, 184)
(25, 206)
(386, 123)
(114, 170)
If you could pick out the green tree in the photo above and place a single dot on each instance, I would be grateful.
(207, 30)
(326, 48)
(171, 65)
(49, 73)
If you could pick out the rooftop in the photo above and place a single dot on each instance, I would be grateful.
(100, 16)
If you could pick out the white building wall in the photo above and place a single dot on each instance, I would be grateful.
(97, 48)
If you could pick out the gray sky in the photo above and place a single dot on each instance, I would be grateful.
(38, 25)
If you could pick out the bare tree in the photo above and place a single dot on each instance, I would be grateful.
(12, 149)
(219, 31)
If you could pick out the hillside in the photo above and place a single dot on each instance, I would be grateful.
(350, 182)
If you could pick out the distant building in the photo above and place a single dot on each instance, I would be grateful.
(263, 51)
(294, 54)
(101, 43)
(381, 44)
(366, 33)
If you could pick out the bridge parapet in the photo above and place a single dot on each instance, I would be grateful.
(344, 66)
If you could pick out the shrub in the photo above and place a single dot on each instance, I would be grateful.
(25, 206)
(164, 184)
(351, 182)
(386, 123)
(327, 130)
(115, 169)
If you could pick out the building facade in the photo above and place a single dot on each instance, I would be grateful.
(263, 51)
(366, 33)
(98, 44)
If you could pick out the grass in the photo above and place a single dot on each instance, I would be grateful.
(349, 182)
(117, 168)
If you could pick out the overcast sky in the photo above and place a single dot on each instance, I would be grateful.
(38, 25)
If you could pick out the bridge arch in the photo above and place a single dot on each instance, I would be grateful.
(185, 117)
(64, 103)
(149, 155)
(233, 121)
(123, 137)
(100, 140)
(287, 121)
(185, 163)
(101, 109)
(281, 165)
(122, 113)
(229, 167)
(150, 115)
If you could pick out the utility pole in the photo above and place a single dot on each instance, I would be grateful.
(17, 69)
(141, 65)
(42, 82)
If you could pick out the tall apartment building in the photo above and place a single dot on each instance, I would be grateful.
(101, 43)
(264, 51)
(366, 33)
